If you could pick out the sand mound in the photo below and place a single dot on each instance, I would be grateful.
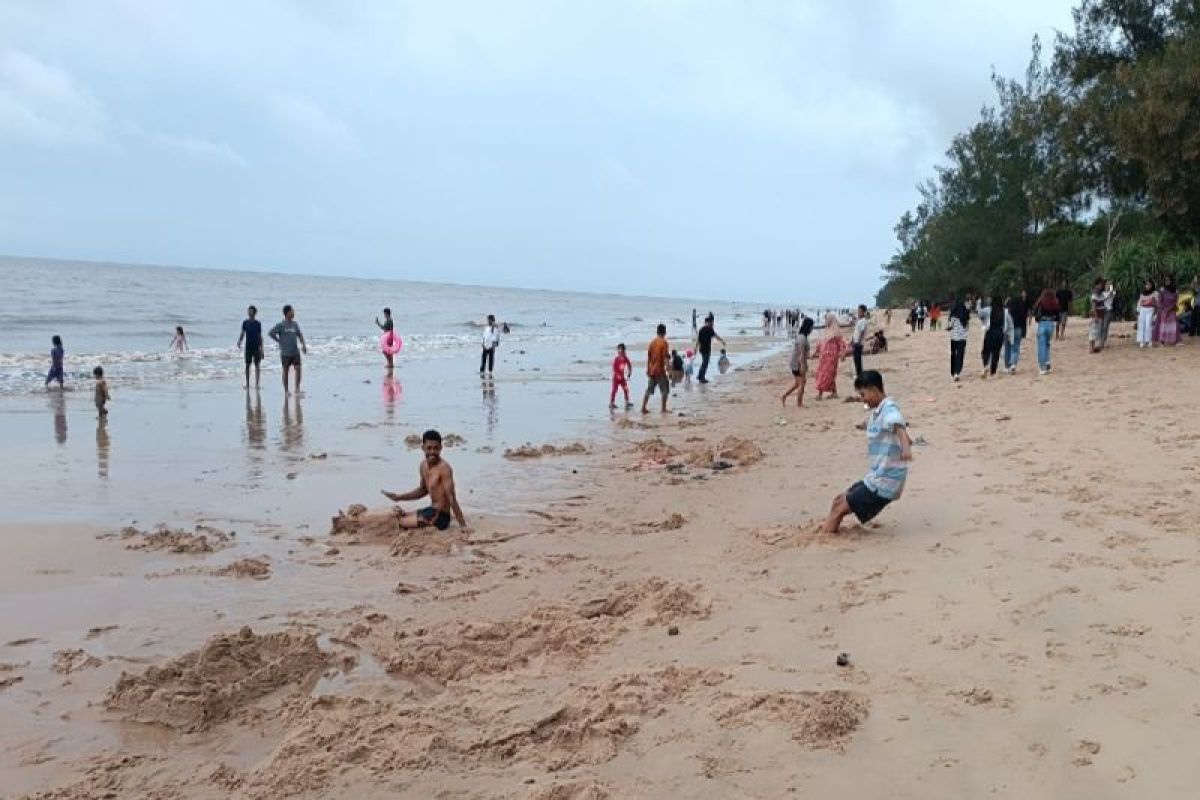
(206, 686)
(742, 452)
(575, 790)
(656, 449)
(328, 737)
(457, 650)
(68, 661)
(817, 720)
(365, 526)
(413, 440)
(257, 568)
(175, 540)
(532, 451)
(382, 527)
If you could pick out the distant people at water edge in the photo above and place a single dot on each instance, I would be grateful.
(288, 336)
(436, 481)
(56, 361)
(799, 364)
(490, 341)
(658, 361)
(388, 328)
(622, 371)
(251, 338)
(889, 449)
(704, 339)
(179, 342)
(100, 393)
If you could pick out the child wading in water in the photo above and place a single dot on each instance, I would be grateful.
(622, 371)
(889, 450)
(799, 364)
(56, 361)
(102, 395)
(179, 343)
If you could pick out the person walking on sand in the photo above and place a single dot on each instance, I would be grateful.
(858, 337)
(993, 337)
(1047, 313)
(1110, 299)
(889, 449)
(57, 355)
(290, 338)
(388, 327)
(1018, 311)
(658, 358)
(1065, 297)
(251, 337)
(437, 481)
(179, 341)
(799, 364)
(1166, 326)
(832, 350)
(490, 341)
(704, 339)
(935, 314)
(1147, 308)
(1096, 316)
(622, 371)
(960, 319)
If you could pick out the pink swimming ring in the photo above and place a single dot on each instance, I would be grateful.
(391, 343)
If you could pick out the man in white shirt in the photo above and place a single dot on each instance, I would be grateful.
(857, 339)
(491, 340)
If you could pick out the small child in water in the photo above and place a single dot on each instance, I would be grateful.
(689, 367)
(676, 367)
(622, 371)
(723, 362)
(179, 343)
(56, 361)
(102, 395)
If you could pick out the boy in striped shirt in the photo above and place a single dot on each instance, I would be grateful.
(889, 450)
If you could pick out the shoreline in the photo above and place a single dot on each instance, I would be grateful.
(1015, 622)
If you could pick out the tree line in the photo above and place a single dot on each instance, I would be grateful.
(1087, 166)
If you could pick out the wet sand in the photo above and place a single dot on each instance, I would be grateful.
(1019, 624)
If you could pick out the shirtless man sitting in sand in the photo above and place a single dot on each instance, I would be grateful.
(437, 481)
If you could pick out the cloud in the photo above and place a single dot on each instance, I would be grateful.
(190, 146)
(312, 126)
(43, 104)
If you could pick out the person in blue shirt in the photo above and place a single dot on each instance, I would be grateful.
(56, 361)
(251, 336)
(889, 449)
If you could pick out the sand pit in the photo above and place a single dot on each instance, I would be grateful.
(457, 650)
(175, 540)
(528, 451)
(817, 720)
(206, 686)
(381, 526)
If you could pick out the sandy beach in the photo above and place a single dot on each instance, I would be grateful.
(640, 624)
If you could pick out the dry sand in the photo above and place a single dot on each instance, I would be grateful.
(1017, 625)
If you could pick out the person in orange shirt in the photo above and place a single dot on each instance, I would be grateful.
(658, 358)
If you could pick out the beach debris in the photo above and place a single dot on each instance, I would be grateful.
(203, 539)
(207, 686)
(73, 660)
(673, 630)
(527, 451)
(100, 629)
(843, 659)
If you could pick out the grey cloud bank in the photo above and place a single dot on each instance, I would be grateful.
(753, 150)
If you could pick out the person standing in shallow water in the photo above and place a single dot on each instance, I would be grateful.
(251, 336)
(705, 339)
(490, 341)
(658, 358)
(291, 343)
(388, 327)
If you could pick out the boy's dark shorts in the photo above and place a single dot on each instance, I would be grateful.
(661, 383)
(253, 356)
(440, 519)
(865, 504)
(290, 361)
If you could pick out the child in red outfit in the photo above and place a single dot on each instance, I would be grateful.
(622, 369)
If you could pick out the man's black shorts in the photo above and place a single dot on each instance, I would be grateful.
(253, 356)
(440, 519)
(290, 361)
(865, 504)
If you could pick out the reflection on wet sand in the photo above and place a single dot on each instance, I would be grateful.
(292, 429)
(103, 445)
(255, 437)
(490, 404)
(393, 391)
(58, 405)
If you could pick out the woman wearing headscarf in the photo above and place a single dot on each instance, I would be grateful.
(833, 348)
(1147, 308)
(1046, 312)
(993, 337)
(957, 324)
(1167, 326)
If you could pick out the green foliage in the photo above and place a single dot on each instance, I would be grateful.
(1087, 167)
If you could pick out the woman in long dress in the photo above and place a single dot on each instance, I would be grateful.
(833, 349)
(1167, 326)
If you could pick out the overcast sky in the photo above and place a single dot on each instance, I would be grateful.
(744, 149)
